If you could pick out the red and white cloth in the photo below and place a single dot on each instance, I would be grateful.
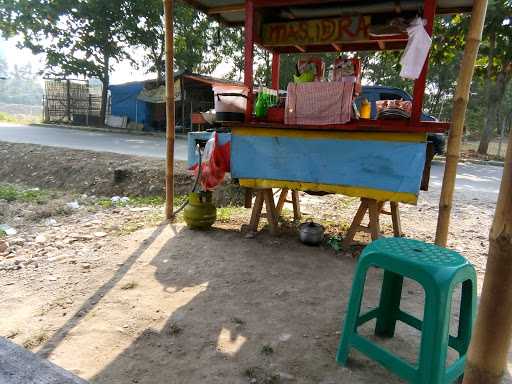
(319, 103)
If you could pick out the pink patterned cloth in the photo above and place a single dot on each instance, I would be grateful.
(319, 103)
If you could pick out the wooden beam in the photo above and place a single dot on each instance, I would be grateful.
(226, 9)
(169, 108)
(299, 48)
(460, 105)
(276, 67)
(382, 44)
(429, 14)
(249, 57)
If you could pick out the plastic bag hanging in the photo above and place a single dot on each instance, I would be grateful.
(216, 162)
(416, 51)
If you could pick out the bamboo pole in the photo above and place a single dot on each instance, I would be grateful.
(169, 108)
(460, 104)
(487, 356)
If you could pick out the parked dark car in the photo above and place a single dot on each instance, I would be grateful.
(377, 92)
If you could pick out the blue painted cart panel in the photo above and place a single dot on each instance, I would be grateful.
(394, 166)
(194, 137)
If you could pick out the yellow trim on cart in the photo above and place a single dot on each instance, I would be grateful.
(377, 194)
(337, 135)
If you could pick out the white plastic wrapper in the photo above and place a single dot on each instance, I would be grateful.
(416, 50)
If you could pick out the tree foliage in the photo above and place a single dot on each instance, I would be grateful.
(81, 38)
(19, 85)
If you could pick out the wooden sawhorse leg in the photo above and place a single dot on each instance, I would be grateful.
(295, 202)
(264, 196)
(374, 209)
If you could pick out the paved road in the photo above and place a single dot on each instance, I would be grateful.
(475, 181)
(127, 144)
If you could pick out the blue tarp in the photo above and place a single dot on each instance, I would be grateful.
(125, 103)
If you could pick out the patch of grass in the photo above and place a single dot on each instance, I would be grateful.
(225, 214)
(251, 372)
(12, 334)
(347, 201)
(2, 233)
(8, 193)
(335, 242)
(237, 321)
(12, 193)
(267, 350)
(144, 201)
(8, 118)
(258, 375)
(50, 209)
(130, 228)
(174, 329)
(129, 285)
(179, 200)
(141, 201)
(35, 340)
(105, 203)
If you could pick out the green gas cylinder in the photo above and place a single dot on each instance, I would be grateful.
(200, 213)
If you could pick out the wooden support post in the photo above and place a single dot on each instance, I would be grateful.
(276, 67)
(395, 217)
(429, 14)
(169, 85)
(182, 97)
(460, 104)
(256, 211)
(248, 198)
(490, 343)
(249, 56)
(374, 209)
(271, 211)
(356, 223)
(295, 202)
(264, 196)
(282, 200)
(296, 205)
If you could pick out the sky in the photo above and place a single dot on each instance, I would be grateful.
(123, 72)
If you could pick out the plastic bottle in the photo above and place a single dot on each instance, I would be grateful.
(365, 110)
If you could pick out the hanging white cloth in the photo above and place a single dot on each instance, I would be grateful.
(416, 51)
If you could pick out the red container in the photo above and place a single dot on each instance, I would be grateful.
(275, 115)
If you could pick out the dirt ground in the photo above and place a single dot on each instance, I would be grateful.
(116, 296)
(96, 173)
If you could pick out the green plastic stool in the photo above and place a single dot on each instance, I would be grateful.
(438, 270)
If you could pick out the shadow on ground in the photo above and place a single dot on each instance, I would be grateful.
(214, 307)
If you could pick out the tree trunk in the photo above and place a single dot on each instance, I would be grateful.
(487, 355)
(495, 100)
(485, 137)
(104, 92)
(489, 124)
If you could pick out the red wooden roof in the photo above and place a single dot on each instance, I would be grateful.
(232, 12)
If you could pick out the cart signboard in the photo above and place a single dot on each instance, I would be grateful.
(316, 31)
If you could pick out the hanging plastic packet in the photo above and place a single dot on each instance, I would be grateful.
(215, 164)
(416, 51)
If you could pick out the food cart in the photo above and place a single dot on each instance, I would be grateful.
(378, 160)
(487, 357)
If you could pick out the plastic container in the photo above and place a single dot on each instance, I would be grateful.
(230, 103)
(365, 111)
